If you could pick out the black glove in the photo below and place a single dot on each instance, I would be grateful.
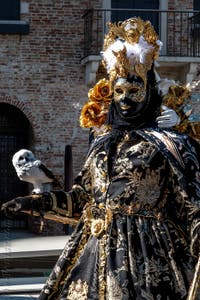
(35, 202)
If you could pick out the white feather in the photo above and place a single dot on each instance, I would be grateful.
(136, 52)
(108, 55)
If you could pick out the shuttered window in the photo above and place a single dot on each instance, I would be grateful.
(9, 9)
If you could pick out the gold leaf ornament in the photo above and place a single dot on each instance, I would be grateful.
(97, 227)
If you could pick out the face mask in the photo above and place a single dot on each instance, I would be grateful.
(129, 97)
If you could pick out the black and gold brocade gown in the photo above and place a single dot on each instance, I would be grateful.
(133, 238)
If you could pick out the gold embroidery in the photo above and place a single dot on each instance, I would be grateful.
(102, 265)
(76, 256)
(78, 290)
(148, 190)
(97, 218)
(113, 289)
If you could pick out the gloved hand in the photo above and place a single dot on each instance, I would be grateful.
(168, 118)
(35, 202)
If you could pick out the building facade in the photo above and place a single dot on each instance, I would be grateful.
(45, 72)
(49, 58)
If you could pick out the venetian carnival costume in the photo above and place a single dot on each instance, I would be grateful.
(138, 191)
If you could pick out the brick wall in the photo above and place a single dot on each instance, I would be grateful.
(41, 74)
(180, 4)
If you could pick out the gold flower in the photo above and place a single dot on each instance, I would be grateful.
(176, 96)
(101, 91)
(97, 227)
(92, 114)
(176, 99)
(148, 189)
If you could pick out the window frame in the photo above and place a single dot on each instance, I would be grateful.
(11, 23)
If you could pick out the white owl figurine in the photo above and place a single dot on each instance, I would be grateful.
(32, 170)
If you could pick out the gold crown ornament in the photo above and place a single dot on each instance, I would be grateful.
(130, 48)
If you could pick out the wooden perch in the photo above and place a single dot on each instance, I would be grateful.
(54, 217)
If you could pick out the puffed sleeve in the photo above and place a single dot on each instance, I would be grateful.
(71, 203)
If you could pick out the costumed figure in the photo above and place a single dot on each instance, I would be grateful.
(137, 193)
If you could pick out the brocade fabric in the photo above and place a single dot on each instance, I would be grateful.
(133, 238)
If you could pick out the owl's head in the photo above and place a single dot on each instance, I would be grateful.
(22, 157)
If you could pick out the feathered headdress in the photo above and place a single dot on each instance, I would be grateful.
(130, 48)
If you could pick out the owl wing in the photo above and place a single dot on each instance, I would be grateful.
(47, 172)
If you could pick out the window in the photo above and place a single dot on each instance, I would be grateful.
(10, 22)
(9, 10)
(135, 4)
(196, 5)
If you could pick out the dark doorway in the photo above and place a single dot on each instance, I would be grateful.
(136, 4)
(15, 134)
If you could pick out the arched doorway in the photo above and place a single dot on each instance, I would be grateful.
(15, 133)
